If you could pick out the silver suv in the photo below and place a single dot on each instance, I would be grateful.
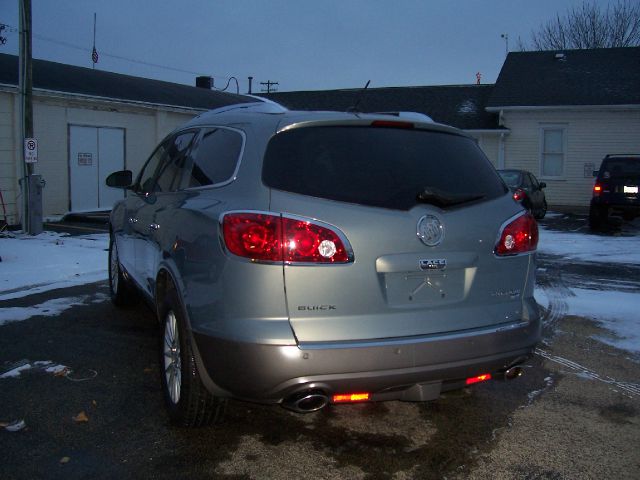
(309, 258)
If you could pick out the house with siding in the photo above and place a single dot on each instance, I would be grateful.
(556, 114)
(88, 123)
(566, 110)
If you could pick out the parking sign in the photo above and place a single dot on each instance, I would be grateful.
(30, 150)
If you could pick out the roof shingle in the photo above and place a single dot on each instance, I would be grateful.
(462, 106)
(70, 79)
(604, 76)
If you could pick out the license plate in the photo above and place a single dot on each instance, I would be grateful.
(628, 189)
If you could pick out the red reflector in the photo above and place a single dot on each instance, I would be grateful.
(350, 397)
(519, 195)
(391, 124)
(519, 236)
(478, 379)
(275, 238)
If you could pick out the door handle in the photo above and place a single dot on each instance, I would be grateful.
(133, 220)
(154, 226)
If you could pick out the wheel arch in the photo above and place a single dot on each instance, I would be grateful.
(167, 282)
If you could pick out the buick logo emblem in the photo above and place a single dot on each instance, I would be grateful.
(430, 230)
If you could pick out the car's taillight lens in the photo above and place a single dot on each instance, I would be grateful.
(518, 236)
(597, 190)
(256, 236)
(279, 238)
(518, 195)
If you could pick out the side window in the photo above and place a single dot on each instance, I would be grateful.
(526, 181)
(214, 159)
(145, 182)
(161, 172)
(168, 178)
(534, 182)
(552, 151)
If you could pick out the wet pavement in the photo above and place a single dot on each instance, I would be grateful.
(574, 414)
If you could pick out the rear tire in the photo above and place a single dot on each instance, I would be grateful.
(543, 211)
(598, 217)
(189, 403)
(121, 290)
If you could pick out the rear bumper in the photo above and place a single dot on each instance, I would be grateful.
(390, 369)
(628, 206)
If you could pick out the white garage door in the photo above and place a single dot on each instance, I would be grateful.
(94, 152)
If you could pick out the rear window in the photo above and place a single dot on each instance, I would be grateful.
(621, 167)
(380, 167)
(512, 179)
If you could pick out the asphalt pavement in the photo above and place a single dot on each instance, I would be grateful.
(574, 414)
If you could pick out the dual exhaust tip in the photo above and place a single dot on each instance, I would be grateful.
(314, 400)
(306, 402)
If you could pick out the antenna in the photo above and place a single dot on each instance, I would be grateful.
(355, 107)
(506, 43)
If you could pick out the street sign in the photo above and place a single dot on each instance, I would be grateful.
(30, 150)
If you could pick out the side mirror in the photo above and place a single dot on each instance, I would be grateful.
(543, 185)
(121, 179)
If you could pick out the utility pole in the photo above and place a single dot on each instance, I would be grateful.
(269, 84)
(32, 224)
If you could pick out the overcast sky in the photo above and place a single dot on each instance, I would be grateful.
(301, 44)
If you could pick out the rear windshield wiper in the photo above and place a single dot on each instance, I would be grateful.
(439, 198)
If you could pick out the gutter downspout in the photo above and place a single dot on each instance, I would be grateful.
(501, 163)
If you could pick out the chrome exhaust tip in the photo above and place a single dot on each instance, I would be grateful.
(513, 373)
(306, 402)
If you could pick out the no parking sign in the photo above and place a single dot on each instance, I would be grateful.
(30, 150)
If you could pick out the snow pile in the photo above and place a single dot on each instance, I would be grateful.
(34, 264)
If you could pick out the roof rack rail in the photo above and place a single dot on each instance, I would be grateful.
(258, 107)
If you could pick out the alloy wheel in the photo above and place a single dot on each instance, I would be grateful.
(172, 362)
(114, 268)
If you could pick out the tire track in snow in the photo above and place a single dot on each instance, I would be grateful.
(552, 283)
(632, 389)
(557, 292)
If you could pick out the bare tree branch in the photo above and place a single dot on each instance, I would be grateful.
(591, 26)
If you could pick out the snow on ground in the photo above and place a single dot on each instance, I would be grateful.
(587, 247)
(34, 264)
(614, 310)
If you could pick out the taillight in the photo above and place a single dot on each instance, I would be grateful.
(518, 195)
(597, 190)
(256, 236)
(279, 238)
(518, 236)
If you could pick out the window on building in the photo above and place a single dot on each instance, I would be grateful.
(552, 151)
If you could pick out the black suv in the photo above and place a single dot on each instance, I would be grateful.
(615, 191)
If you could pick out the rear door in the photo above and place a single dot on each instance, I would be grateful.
(621, 177)
(421, 210)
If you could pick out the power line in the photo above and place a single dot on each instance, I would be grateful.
(117, 57)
